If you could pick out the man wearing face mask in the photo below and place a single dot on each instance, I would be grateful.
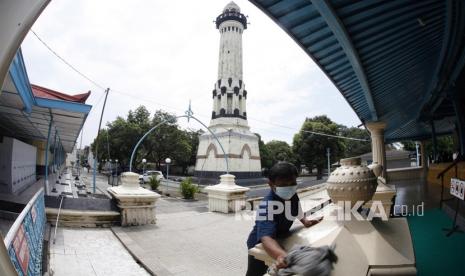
(275, 215)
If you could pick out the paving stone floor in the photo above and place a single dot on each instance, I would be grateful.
(190, 243)
(189, 240)
(88, 252)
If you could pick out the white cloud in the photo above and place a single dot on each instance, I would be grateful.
(163, 53)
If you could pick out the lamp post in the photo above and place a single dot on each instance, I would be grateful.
(167, 161)
(116, 168)
(143, 162)
(109, 160)
(328, 154)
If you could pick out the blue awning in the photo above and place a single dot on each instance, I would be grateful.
(22, 115)
(393, 61)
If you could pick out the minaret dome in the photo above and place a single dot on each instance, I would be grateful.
(232, 7)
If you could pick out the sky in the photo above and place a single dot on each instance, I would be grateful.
(162, 54)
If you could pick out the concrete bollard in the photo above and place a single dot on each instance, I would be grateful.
(226, 196)
(136, 204)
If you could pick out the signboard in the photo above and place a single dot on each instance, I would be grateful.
(457, 188)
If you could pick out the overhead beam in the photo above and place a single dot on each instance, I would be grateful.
(436, 77)
(340, 32)
(20, 80)
(63, 105)
(16, 17)
(81, 130)
(442, 56)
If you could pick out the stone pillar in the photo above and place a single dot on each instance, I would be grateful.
(137, 205)
(459, 108)
(244, 101)
(423, 160)
(215, 105)
(227, 196)
(40, 159)
(224, 101)
(377, 144)
(235, 103)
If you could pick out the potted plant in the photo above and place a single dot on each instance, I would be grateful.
(188, 190)
(154, 183)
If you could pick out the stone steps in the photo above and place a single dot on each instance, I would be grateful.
(80, 218)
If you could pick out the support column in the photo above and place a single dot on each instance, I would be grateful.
(55, 152)
(224, 101)
(47, 148)
(377, 144)
(423, 159)
(459, 107)
(244, 99)
(215, 105)
(235, 103)
(435, 142)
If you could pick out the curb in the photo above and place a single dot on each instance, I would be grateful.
(139, 261)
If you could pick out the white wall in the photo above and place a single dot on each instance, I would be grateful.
(17, 165)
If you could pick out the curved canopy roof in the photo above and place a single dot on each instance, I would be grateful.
(28, 111)
(393, 61)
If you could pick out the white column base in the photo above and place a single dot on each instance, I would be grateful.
(136, 204)
(227, 196)
(383, 195)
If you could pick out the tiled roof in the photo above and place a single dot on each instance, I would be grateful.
(43, 92)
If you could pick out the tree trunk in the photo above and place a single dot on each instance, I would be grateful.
(319, 173)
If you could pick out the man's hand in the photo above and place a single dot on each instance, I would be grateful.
(310, 222)
(275, 250)
(281, 261)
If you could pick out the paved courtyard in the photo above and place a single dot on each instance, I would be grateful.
(189, 240)
(79, 251)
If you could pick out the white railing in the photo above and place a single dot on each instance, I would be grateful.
(409, 173)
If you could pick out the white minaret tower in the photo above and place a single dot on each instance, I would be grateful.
(229, 115)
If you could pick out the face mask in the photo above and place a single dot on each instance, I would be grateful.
(286, 192)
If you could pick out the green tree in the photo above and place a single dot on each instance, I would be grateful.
(123, 134)
(445, 148)
(265, 158)
(409, 145)
(102, 143)
(168, 140)
(192, 138)
(280, 151)
(311, 148)
(353, 147)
